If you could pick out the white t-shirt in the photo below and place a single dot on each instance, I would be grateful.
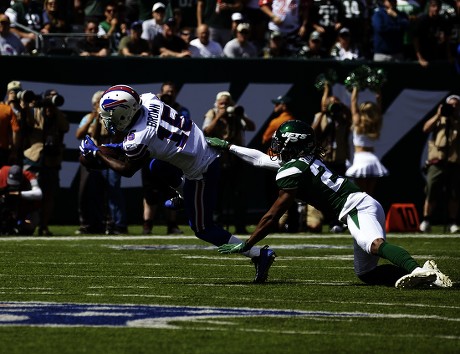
(212, 50)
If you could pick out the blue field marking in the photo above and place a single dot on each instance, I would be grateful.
(58, 314)
(46, 314)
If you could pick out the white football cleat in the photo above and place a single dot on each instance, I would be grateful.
(442, 280)
(418, 277)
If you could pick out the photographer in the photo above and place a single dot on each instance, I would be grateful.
(9, 129)
(229, 122)
(443, 163)
(44, 149)
(19, 201)
(332, 128)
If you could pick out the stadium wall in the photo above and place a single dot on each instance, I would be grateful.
(410, 95)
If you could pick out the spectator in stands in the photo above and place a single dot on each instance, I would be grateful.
(111, 28)
(412, 9)
(90, 9)
(28, 14)
(366, 126)
(291, 21)
(134, 45)
(237, 18)
(10, 44)
(9, 131)
(253, 15)
(313, 49)
(241, 46)
(92, 44)
(21, 203)
(169, 44)
(344, 48)
(455, 30)
(44, 153)
(225, 121)
(203, 46)
(389, 26)
(187, 11)
(431, 35)
(443, 164)
(276, 47)
(53, 18)
(327, 17)
(187, 34)
(154, 25)
(217, 14)
(357, 19)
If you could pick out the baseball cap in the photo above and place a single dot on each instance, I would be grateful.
(344, 31)
(223, 94)
(315, 36)
(158, 6)
(171, 22)
(14, 176)
(14, 86)
(281, 99)
(236, 16)
(136, 25)
(243, 27)
(453, 97)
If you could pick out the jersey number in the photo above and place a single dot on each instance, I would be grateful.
(174, 127)
(331, 180)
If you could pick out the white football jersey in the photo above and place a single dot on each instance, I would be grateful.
(169, 137)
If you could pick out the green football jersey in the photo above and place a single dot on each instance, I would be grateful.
(317, 185)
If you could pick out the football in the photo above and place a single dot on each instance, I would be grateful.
(94, 163)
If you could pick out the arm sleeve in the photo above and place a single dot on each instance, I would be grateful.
(254, 157)
(33, 194)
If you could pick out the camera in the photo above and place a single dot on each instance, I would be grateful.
(26, 95)
(334, 109)
(51, 101)
(447, 110)
(235, 110)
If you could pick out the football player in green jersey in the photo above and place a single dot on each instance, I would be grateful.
(302, 175)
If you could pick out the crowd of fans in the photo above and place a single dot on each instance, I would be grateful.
(382, 30)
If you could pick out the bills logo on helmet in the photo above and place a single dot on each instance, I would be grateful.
(108, 104)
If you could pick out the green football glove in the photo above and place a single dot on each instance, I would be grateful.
(218, 143)
(234, 248)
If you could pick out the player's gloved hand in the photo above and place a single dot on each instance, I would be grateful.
(218, 143)
(88, 147)
(114, 145)
(234, 248)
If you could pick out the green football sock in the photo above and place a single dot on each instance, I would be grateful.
(398, 256)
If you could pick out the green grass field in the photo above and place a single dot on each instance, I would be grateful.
(177, 294)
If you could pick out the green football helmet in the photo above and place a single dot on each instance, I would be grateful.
(291, 140)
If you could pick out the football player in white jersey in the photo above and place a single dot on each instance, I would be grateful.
(155, 130)
(302, 175)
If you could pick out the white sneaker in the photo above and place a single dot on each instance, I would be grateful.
(418, 277)
(442, 280)
(453, 228)
(425, 226)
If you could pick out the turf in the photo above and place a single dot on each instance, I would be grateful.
(312, 274)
